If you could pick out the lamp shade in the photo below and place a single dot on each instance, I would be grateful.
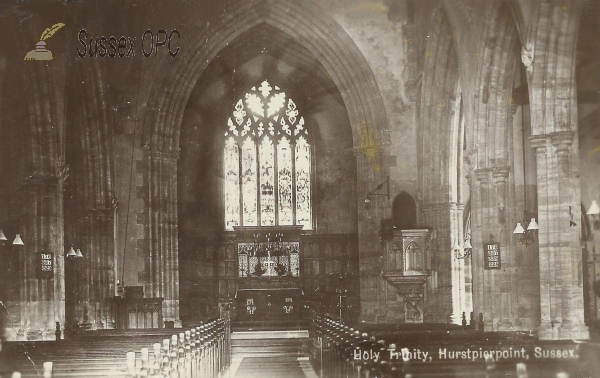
(2, 236)
(533, 225)
(519, 229)
(71, 252)
(594, 209)
(468, 244)
(456, 247)
(79, 254)
(18, 240)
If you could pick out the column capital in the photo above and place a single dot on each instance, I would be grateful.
(539, 142)
(483, 175)
(500, 174)
(562, 140)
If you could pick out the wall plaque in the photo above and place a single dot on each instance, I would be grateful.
(491, 253)
(46, 265)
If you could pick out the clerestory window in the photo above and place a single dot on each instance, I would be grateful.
(267, 162)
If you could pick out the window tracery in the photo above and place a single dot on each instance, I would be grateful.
(267, 162)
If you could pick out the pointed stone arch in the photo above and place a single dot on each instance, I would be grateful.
(310, 27)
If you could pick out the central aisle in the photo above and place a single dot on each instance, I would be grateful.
(274, 367)
(271, 354)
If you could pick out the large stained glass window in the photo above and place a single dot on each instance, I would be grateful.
(267, 162)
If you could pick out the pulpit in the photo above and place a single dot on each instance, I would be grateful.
(407, 267)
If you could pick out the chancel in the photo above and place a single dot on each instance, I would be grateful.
(282, 181)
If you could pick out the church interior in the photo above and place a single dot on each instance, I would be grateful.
(304, 181)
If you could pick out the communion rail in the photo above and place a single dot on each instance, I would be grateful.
(338, 350)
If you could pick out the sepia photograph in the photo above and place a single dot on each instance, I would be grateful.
(300, 188)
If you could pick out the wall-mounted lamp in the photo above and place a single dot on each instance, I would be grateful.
(464, 252)
(17, 241)
(375, 192)
(526, 235)
(594, 211)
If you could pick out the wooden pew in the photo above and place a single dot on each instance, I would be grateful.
(334, 347)
(202, 351)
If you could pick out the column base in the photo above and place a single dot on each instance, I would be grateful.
(545, 331)
(505, 325)
(569, 330)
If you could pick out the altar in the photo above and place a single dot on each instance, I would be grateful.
(268, 286)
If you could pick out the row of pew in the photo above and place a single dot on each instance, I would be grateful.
(202, 351)
(338, 350)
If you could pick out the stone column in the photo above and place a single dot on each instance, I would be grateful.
(443, 303)
(458, 266)
(370, 251)
(481, 215)
(42, 299)
(568, 215)
(561, 286)
(546, 253)
(97, 279)
(161, 232)
(504, 277)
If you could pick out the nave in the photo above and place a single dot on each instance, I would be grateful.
(327, 349)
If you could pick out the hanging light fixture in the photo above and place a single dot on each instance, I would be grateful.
(18, 240)
(71, 253)
(519, 229)
(594, 211)
(525, 230)
(468, 244)
(79, 254)
(526, 234)
(533, 226)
